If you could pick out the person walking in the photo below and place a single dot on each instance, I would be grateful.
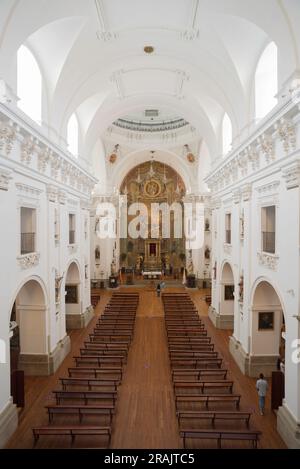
(262, 387)
(158, 288)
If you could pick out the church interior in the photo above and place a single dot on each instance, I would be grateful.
(150, 235)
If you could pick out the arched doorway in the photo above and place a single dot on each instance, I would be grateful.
(28, 336)
(72, 297)
(226, 317)
(267, 338)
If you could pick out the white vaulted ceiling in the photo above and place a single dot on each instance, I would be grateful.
(91, 54)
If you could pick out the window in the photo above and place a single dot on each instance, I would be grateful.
(72, 135)
(71, 228)
(266, 81)
(268, 219)
(29, 84)
(71, 294)
(228, 228)
(226, 134)
(229, 292)
(28, 230)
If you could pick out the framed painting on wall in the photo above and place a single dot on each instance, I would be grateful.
(266, 320)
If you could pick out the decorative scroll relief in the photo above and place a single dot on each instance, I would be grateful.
(24, 189)
(287, 134)
(268, 260)
(28, 147)
(267, 147)
(5, 177)
(29, 260)
(8, 133)
(52, 193)
(291, 174)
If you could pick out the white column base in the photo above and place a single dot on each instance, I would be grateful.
(288, 428)
(8, 422)
(252, 365)
(80, 321)
(45, 364)
(220, 321)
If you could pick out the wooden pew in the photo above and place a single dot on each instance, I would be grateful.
(88, 371)
(193, 354)
(191, 348)
(103, 352)
(193, 374)
(220, 435)
(72, 431)
(85, 396)
(189, 340)
(100, 338)
(90, 383)
(172, 334)
(106, 345)
(99, 361)
(208, 399)
(203, 386)
(213, 416)
(79, 410)
(198, 363)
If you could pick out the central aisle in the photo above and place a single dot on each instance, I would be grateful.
(146, 409)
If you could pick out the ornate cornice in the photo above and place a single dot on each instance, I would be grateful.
(258, 150)
(36, 150)
(268, 189)
(24, 189)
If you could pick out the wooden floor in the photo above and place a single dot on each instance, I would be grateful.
(145, 413)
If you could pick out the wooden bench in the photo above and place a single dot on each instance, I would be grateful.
(213, 416)
(86, 396)
(90, 383)
(202, 386)
(193, 354)
(191, 347)
(103, 352)
(127, 329)
(199, 363)
(72, 431)
(219, 435)
(79, 410)
(104, 337)
(92, 359)
(106, 345)
(96, 372)
(198, 374)
(209, 398)
(172, 334)
(189, 340)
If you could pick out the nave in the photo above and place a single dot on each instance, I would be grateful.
(145, 415)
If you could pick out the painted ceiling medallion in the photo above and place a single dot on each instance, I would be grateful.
(148, 49)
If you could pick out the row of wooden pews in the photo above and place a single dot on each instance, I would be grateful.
(90, 390)
(204, 394)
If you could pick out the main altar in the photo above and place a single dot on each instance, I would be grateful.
(147, 183)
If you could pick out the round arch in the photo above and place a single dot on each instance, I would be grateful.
(267, 324)
(138, 157)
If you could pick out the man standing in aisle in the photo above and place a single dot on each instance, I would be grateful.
(262, 387)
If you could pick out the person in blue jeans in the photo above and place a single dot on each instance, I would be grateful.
(262, 387)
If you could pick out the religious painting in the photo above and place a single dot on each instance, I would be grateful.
(229, 292)
(71, 294)
(266, 320)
